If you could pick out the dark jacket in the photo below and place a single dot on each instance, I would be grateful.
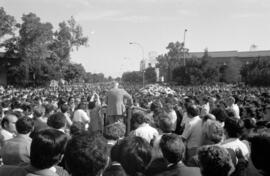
(180, 170)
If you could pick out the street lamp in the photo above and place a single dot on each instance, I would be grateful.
(141, 47)
(184, 47)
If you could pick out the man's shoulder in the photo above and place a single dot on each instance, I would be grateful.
(12, 171)
(180, 170)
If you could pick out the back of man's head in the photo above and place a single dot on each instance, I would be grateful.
(86, 155)
(165, 123)
(215, 160)
(234, 127)
(137, 119)
(47, 148)
(57, 120)
(135, 155)
(192, 111)
(172, 147)
(24, 125)
(39, 111)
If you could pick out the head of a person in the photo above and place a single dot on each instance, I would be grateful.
(57, 121)
(47, 148)
(71, 100)
(24, 125)
(230, 101)
(172, 147)
(137, 119)
(64, 108)
(260, 153)
(212, 131)
(49, 109)
(82, 106)
(9, 121)
(220, 114)
(135, 155)
(115, 131)
(39, 111)
(77, 128)
(165, 123)
(234, 127)
(91, 105)
(192, 111)
(215, 160)
(86, 155)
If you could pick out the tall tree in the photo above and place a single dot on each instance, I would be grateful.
(35, 37)
(173, 58)
(7, 23)
(68, 37)
(150, 75)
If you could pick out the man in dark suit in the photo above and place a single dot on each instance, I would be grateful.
(115, 104)
(173, 150)
(16, 151)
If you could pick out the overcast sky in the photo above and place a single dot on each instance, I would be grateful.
(111, 24)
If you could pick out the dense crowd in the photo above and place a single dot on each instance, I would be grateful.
(101, 129)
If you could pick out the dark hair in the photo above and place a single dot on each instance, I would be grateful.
(234, 127)
(57, 120)
(138, 118)
(214, 160)
(192, 110)
(47, 148)
(77, 128)
(86, 155)
(64, 108)
(24, 125)
(81, 106)
(135, 155)
(49, 108)
(91, 105)
(220, 114)
(260, 153)
(249, 123)
(172, 147)
(39, 111)
(165, 123)
(115, 131)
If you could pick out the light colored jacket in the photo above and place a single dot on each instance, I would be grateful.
(115, 101)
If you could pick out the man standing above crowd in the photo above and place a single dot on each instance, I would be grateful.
(115, 103)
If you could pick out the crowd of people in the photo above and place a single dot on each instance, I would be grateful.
(102, 129)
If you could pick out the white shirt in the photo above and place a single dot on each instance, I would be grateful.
(234, 144)
(80, 116)
(235, 109)
(146, 131)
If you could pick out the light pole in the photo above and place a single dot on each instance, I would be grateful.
(141, 47)
(184, 47)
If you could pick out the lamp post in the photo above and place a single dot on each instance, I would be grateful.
(184, 47)
(141, 47)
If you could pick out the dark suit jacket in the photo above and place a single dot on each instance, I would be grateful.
(180, 170)
(16, 151)
(114, 170)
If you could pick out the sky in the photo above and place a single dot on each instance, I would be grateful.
(110, 25)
